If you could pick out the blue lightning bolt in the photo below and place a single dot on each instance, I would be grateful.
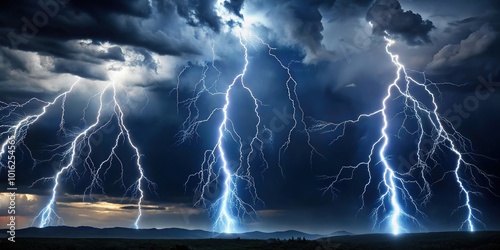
(396, 197)
(48, 216)
(74, 151)
(230, 208)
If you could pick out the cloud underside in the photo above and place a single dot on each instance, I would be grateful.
(388, 16)
(456, 55)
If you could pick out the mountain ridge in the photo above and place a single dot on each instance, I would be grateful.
(154, 233)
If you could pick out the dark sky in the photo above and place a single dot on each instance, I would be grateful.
(341, 68)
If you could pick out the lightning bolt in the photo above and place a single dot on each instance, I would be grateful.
(225, 219)
(398, 203)
(217, 167)
(74, 151)
(230, 206)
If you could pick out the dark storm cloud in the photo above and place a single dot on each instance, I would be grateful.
(309, 27)
(346, 9)
(234, 6)
(81, 51)
(199, 13)
(302, 23)
(12, 61)
(361, 2)
(138, 8)
(495, 4)
(82, 69)
(113, 53)
(299, 23)
(99, 198)
(42, 26)
(148, 61)
(387, 15)
(76, 59)
(157, 208)
(78, 37)
(474, 49)
(471, 24)
(474, 45)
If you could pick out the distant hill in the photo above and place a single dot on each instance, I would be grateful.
(168, 233)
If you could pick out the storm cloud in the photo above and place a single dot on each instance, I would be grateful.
(388, 16)
(43, 26)
(475, 44)
(295, 24)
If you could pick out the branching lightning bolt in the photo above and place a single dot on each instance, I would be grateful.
(74, 149)
(230, 208)
(397, 203)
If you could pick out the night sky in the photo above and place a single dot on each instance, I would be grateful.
(156, 52)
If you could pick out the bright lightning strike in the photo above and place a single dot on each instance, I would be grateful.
(217, 167)
(230, 207)
(398, 203)
(78, 152)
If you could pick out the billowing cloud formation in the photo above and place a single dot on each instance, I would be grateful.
(45, 24)
(234, 6)
(94, 39)
(198, 13)
(475, 44)
(295, 23)
(387, 15)
(72, 32)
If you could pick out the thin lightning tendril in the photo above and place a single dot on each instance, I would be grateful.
(296, 106)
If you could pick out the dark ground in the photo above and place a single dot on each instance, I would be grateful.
(91, 244)
(448, 240)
